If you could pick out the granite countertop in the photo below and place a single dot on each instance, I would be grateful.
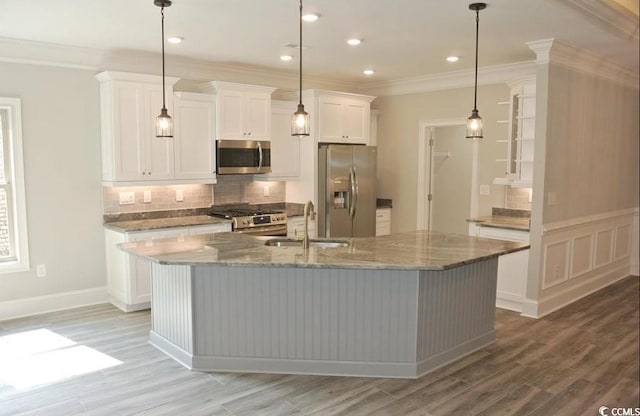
(418, 250)
(506, 218)
(500, 221)
(169, 222)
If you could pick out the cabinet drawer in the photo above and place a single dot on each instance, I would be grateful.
(383, 215)
(503, 234)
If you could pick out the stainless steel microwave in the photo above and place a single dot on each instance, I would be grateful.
(235, 157)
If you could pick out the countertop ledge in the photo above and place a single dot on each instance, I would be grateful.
(158, 223)
(418, 250)
(505, 222)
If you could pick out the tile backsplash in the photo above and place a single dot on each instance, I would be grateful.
(517, 198)
(229, 189)
(241, 188)
(162, 198)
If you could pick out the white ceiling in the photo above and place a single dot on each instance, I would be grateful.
(401, 38)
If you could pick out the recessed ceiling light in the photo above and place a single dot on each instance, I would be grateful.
(354, 42)
(452, 58)
(368, 72)
(286, 58)
(175, 39)
(310, 17)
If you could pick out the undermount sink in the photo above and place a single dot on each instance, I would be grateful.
(313, 242)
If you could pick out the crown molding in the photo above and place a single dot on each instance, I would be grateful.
(552, 51)
(610, 15)
(496, 74)
(48, 54)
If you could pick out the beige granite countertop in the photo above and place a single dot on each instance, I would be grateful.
(157, 223)
(419, 250)
(500, 221)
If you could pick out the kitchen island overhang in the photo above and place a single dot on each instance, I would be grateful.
(218, 305)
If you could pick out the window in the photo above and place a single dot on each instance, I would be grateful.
(14, 254)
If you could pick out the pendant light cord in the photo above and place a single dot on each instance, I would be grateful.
(163, 93)
(300, 45)
(475, 91)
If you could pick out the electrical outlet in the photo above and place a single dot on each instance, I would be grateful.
(552, 199)
(556, 271)
(127, 198)
(265, 190)
(485, 190)
(41, 270)
(147, 197)
(179, 195)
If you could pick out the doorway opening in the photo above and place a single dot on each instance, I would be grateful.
(447, 169)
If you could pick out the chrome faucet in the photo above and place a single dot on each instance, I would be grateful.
(308, 211)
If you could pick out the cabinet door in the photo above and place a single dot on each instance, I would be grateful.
(285, 148)
(128, 133)
(355, 122)
(159, 151)
(230, 115)
(194, 138)
(330, 120)
(257, 116)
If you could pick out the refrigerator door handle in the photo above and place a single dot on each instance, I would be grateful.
(353, 179)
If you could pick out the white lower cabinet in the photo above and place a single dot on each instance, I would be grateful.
(383, 221)
(512, 267)
(295, 227)
(129, 277)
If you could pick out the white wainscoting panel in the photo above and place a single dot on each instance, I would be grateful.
(623, 241)
(556, 262)
(581, 255)
(604, 248)
(597, 250)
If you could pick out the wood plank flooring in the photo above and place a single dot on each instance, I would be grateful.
(569, 363)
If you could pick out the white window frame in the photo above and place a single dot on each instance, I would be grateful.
(14, 185)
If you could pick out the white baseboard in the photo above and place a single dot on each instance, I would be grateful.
(542, 307)
(50, 303)
(510, 301)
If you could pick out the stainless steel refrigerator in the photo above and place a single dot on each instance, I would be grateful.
(346, 191)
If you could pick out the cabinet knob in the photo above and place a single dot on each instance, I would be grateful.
(249, 134)
(144, 173)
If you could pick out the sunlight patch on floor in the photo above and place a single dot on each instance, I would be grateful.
(41, 356)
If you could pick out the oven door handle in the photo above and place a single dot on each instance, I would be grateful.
(271, 230)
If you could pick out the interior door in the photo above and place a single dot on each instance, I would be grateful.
(451, 167)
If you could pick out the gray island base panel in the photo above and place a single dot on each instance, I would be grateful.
(353, 322)
(394, 306)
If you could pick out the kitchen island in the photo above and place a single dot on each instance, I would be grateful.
(394, 306)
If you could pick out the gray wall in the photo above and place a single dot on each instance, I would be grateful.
(61, 137)
(398, 144)
(591, 155)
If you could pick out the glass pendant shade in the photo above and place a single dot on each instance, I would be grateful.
(300, 122)
(164, 124)
(474, 126)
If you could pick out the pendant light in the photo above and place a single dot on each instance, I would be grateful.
(474, 122)
(300, 119)
(164, 124)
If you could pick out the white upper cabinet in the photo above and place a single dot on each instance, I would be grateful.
(344, 118)
(285, 148)
(194, 136)
(129, 104)
(243, 111)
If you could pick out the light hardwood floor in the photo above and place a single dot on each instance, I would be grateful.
(568, 363)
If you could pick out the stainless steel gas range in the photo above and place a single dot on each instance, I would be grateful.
(250, 220)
